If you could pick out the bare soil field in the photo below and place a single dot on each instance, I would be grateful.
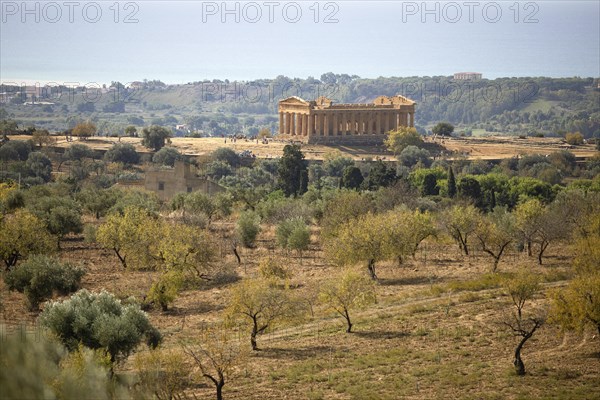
(428, 336)
(489, 148)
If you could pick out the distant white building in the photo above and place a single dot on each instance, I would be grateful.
(467, 76)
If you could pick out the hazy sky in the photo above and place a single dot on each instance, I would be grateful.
(178, 42)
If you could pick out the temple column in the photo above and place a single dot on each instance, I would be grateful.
(281, 127)
(311, 124)
(299, 125)
(335, 123)
(304, 124)
(412, 119)
(288, 118)
(378, 123)
(319, 129)
(326, 121)
(361, 124)
(293, 124)
(386, 122)
(397, 119)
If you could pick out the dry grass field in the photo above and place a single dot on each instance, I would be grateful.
(436, 331)
(489, 148)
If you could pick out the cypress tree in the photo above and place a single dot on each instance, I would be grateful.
(451, 183)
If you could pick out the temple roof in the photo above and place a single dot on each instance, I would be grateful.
(324, 102)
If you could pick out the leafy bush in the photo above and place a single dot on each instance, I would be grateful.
(123, 153)
(273, 270)
(163, 372)
(411, 155)
(226, 155)
(293, 234)
(99, 321)
(165, 290)
(276, 208)
(137, 199)
(218, 169)
(15, 150)
(35, 366)
(40, 276)
(77, 152)
(575, 138)
(62, 215)
(166, 156)
(89, 233)
(39, 165)
(248, 227)
(32, 234)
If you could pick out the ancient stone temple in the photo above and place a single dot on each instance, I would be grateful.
(322, 121)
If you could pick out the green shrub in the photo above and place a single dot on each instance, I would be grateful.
(273, 270)
(89, 233)
(248, 227)
(163, 372)
(164, 291)
(166, 156)
(35, 366)
(483, 282)
(40, 276)
(293, 234)
(99, 321)
(574, 138)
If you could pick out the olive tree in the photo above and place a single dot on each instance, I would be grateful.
(360, 240)
(521, 289)
(216, 356)
(248, 228)
(130, 236)
(155, 137)
(23, 234)
(40, 276)
(495, 232)
(99, 321)
(293, 234)
(346, 291)
(460, 222)
(264, 305)
(578, 305)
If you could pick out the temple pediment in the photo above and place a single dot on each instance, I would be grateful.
(294, 100)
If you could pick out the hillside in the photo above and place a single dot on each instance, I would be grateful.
(509, 105)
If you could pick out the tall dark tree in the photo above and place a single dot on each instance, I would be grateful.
(451, 183)
(469, 187)
(443, 129)
(380, 176)
(155, 137)
(430, 187)
(290, 170)
(352, 178)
